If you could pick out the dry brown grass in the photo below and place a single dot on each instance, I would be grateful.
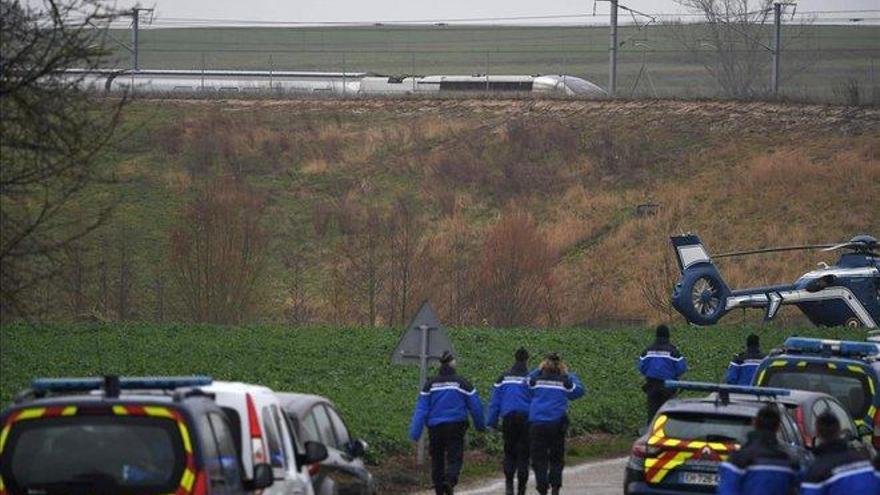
(779, 198)
(578, 170)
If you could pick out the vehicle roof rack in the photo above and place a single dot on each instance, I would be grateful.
(828, 347)
(724, 391)
(112, 385)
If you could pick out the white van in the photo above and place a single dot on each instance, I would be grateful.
(263, 436)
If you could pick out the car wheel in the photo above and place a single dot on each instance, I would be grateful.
(627, 478)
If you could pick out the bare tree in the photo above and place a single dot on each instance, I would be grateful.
(159, 298)
(125, 280)
(514, 272)
(363, 267)
(731, 43)
(75, 279)
(51, 136)
(219, 252)
(657, 285)
(405, 231)
(297, 263)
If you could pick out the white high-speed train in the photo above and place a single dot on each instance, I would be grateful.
(326, 83)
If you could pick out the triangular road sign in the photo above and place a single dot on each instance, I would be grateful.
(409, 349)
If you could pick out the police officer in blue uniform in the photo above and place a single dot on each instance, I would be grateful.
(661, 361)
(877, 468)
(761, 467)
(510, 401)
(742, 369)
(552, 387)
(838, 469)
(443, 405)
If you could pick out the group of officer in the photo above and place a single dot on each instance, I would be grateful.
(532, 406)
(762, 466)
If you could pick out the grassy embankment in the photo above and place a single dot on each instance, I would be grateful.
(738, 175)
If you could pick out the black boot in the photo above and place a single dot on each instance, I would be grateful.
(521, 488)
(508, 486)
(449, 489)
(555, 490)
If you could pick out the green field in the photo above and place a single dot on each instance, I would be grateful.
(351, 365)
(817, 60)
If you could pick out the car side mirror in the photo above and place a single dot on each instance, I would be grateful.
(356, 448)
(315, 452)
(263, 477)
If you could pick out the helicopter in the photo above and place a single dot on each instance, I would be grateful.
(846, 293)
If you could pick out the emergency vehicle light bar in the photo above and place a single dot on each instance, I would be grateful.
(836, 347)
(722, 389)
(43, 385)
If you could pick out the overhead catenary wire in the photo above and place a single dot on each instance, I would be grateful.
(161, 21)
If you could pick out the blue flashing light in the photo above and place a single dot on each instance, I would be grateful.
(66, 384)
(836, 347)
(125, 383)
(728, 389)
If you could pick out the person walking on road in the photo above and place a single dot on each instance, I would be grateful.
(742, 369)
(661, 361)
(443, 405)
(551, 389)
(762, 466)
(838, 469)
(510, 401)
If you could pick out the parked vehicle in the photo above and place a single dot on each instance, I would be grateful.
(847, 370)
(806, 406)
(262, 435)
(314, 418)
(689, 438)
(77, 436)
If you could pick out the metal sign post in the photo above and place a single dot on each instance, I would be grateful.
(423, 377)
(424, 340)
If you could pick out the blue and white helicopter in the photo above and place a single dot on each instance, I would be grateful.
(847, 293)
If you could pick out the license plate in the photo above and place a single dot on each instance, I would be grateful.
(700, 478)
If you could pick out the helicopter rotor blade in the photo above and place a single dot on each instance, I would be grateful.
(839, 246)
(826, 247)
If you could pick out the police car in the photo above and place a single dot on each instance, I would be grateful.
(846, 370)
(121, 436)
(689, 438)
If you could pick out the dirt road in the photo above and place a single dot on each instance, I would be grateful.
(593, 478)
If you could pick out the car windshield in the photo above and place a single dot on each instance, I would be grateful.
(851, 388)
(707, 427)
(93, 454)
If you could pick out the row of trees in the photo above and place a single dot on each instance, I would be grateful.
(221, 265)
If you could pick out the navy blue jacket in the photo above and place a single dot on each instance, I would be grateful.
(742, 369)
(510, 394)
(839, 470)
(662, 361)
(446, 398)
(877, 468)
(550, 394)
(761, 467)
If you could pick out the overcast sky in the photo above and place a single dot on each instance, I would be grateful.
(395, 10)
